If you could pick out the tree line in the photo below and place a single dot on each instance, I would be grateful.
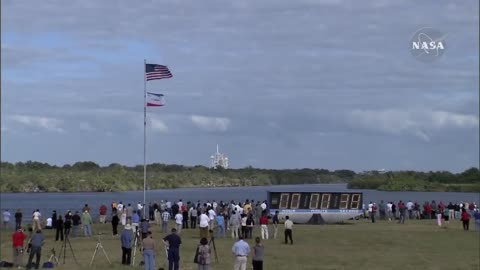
(87, 176)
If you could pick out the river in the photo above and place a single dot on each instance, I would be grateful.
(47, 202)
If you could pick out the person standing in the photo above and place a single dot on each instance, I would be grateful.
(135, 222)
(18, 219)
(193, 217)
(36, 224)
(54, 219)
(185, 217)
(18, 239)
(68, 223)
(476, 215)
(275, 222)
(264, 226)
(59, 228)
(373, 213)
(179, 222)
(6, 218)
(115, 221)
(204, 220)
(173, 241)
(76, 221)
(401, 209)
(465, 217)
(149, 249)
(211, 215)
(240, 250)
(151, 211)
(87, 223)
(288, 230)
(220, 225)
(258, 251)
(204, 251)
(126, 240)
(235, 223)
(37, 242)
(103, 213)
(140, 210)
(165, 219)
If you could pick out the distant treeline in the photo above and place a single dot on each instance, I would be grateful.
(88, 176)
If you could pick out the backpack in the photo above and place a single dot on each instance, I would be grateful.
(199, 257)
(195, 259)
(6, 264)
(48, 265)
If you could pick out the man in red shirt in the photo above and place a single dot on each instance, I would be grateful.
(103, 213)
(264, 226)
(18, 239)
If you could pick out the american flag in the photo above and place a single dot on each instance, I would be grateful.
(157, 72)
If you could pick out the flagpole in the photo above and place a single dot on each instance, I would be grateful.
(144, 134)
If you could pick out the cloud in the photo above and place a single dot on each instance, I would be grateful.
(211, 123)
(158, 125)
(39, 122)
(447, 119)
(414, 122)
(245, 74)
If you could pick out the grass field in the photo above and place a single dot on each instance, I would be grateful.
(355, 245)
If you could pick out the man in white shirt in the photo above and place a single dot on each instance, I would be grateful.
(389, 210)
(120, 207)
(49, 223)
(178, 222)
(214, 204)
(204, 220)
(263, 205)
(180, 204)
(288, 230)
(140, 210)
(6, 218)
(410, 209)
(212, 215)
(36, 221)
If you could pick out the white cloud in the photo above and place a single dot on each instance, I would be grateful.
(446, 119)
(39, 122)
(158, 125)
(414, 122)
(211, 123)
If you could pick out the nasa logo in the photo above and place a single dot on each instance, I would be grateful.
(427, 44)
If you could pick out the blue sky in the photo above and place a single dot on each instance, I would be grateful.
(278, 84)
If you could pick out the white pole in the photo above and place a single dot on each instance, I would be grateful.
(144, 133)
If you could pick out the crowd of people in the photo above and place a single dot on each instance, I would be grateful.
(443, 213)
(212, 220)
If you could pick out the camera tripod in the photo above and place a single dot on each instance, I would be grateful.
(212, 242)
(53, 257)
(99, 245)
(137, 244)
(63, 249)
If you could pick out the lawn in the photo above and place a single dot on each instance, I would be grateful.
(355, 245)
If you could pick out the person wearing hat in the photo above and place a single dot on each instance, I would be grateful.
(18, 239)
(126, 239)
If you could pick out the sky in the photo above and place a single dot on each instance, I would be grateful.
(276, 83)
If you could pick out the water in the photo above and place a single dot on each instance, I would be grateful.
(47, 202)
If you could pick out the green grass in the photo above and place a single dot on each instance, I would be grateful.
(355, 245)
